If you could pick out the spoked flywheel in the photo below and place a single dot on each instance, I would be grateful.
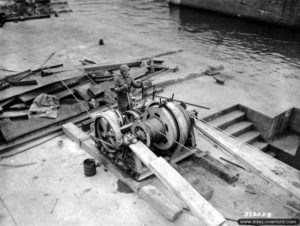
(107, 132)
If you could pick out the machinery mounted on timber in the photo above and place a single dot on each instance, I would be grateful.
(165, 127)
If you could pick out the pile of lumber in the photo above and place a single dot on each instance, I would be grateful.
(14, 11)
(81, 90)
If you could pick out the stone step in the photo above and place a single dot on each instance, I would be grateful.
(239, 128)
(250, 136)
(260, 145)
(228, 119)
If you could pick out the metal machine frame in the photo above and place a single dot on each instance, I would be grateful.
(165, 127)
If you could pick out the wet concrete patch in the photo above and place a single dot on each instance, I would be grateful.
(123, 188)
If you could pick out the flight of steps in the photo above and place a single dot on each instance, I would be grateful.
(236, 124)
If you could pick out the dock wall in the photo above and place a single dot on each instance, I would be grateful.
(283, 12)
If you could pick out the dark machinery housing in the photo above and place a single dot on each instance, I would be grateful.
(165, 127)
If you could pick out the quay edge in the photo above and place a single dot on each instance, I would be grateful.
(280, 12)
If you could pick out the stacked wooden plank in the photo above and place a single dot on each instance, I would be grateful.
(64, 83)
(14, 11)
(79, 92)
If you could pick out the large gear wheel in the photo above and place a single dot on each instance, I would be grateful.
(107, 132)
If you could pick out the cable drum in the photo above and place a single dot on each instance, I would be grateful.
(187, 116)
(169, 126)
(182, 124)
(156, 128)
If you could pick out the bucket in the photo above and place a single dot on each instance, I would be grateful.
(89, 166)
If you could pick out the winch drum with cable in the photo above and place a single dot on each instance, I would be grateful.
(165, 128)
(161, 126)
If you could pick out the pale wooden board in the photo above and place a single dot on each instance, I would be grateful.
(42, 81)
(14, 114)
(176, 183)
(16, 129)
(110, 66)
(75, 133)
(257, 161)
(198, 205)
(143, 153)
(89, 146)
(47, 131)
(155, 198)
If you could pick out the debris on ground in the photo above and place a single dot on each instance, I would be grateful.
(20, 10)
(219, 80)
(62, 94)
(53, 208)
(211, 70)
(215, 73)
(18, 165)
(250, 190)
(44, 105)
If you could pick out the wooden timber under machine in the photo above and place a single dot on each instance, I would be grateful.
(164, 127)
(145, 141)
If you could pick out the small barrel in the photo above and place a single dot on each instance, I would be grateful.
(89, 166)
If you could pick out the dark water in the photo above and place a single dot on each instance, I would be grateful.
(244, 46)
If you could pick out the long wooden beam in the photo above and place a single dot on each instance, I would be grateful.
(92, 68)
(251, 157)
(13, 130)
(54, 128)
(205, 212)
(152, 195)
(16, 91)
